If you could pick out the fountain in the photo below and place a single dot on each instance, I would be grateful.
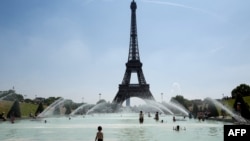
(148, 109)
(150, 106)
(82, 109)
(156, 104)
(51, 108)
(3, 96)
(177, 106)
(100, 107)
(234, 115)
(116, 126)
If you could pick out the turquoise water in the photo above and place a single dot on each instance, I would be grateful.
(116, 127)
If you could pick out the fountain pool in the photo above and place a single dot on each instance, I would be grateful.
(116, 127)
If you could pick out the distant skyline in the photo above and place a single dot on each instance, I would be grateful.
(77, 49)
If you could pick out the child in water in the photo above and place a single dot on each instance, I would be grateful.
(99, 134)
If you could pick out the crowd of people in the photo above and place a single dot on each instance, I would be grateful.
(141, 120)
(100, 134)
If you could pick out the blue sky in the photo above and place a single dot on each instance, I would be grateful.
(77, 49)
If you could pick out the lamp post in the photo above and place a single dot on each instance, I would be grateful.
(100, 96)
(161, 97)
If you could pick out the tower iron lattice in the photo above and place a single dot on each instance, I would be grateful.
(134, 65)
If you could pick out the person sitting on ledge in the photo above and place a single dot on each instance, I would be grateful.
(2, 116)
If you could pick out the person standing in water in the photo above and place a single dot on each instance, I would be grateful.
(174, 119)
(141, 117)
(156, 116)
(99, 134)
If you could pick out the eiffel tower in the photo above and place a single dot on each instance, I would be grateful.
(134, 65)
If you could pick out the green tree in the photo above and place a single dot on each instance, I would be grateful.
(50, 100)
(12, 96)
(242, 89)
(101, 101)
(68, 105)
(28, 100)
(241, 106)
(211, 108)
(195, 110)
(181, 100)
(15, 110)
(39, 109)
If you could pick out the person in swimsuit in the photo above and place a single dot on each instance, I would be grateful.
(141, 117)
(99, 134)
(156, 116)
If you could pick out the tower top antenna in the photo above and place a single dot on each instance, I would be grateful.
(133, 5)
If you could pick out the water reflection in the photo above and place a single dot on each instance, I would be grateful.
(130, 134)
(212, 131)
(11, 133)
(116, 127)
(215, 131)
